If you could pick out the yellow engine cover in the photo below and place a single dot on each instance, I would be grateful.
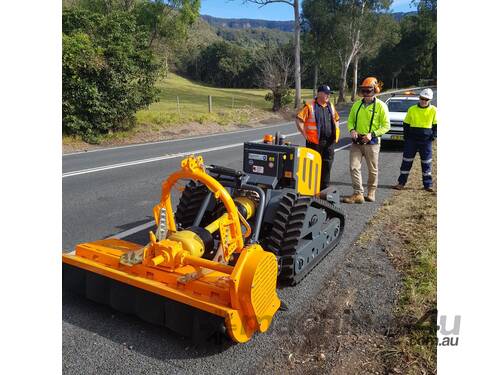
(308, 171)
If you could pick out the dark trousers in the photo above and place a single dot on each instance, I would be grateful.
(424, 148)
(327, 152)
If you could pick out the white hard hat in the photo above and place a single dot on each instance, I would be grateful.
(427, 94)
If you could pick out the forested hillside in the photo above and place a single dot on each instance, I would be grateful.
(246, 23)
(117, 52)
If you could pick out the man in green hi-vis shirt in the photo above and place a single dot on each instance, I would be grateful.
(368, 120)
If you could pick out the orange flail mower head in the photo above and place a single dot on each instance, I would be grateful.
(168, 276)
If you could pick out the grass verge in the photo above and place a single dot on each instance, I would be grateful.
(410, 218)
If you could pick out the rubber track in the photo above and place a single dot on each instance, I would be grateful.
(286, 233)
(189, 204)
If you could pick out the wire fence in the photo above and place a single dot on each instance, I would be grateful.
(207, 104)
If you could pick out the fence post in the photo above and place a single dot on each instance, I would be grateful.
(178, 106)
(210, 103)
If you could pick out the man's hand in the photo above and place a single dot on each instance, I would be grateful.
(300, 127)
(354, 134)
(367, 138)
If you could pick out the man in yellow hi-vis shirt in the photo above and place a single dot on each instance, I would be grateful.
(420, 129)
(368, 120)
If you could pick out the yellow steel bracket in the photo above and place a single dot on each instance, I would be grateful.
(193, 168)
(193, 164)
(228, 237)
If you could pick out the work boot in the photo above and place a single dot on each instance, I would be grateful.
(429, 189)
(355, 198)
(398, 187)
(371, 195)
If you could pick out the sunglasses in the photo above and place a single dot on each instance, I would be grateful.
(424, 100)
(366, 91)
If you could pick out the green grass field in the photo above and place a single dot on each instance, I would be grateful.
(228, 105)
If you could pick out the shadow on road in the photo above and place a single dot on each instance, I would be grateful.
(140, 237)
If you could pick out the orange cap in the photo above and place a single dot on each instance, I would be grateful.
(268, 138)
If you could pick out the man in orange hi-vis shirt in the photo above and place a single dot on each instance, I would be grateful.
(318, 122)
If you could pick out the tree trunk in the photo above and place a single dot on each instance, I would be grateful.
(276, 101)
(315, 79)
(343, 82)
(298, 94)
(354, 78)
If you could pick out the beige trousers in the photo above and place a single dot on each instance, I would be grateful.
(370, 152)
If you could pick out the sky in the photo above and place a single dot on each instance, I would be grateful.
(278, 12)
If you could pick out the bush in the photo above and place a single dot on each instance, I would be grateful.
(280, 98)
(109, 72)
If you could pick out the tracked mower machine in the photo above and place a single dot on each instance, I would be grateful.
(213, 265)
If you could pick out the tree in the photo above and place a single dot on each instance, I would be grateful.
(112, 57)
(296, 11)
(108, 72)
(349, 22)
(380, 30)
(276, 70)
(166, 21)
(317, 35)
(414, 56)
(226, 65)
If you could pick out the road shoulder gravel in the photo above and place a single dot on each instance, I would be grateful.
(368, 317)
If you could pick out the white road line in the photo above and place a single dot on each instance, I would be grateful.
(164, 157)
(143, 161)
(178, 140)
(341, 148)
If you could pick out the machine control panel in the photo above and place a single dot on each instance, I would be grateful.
(268, 159)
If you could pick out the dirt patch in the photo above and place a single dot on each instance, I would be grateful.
(345, 329)
(367, 317)
(153, 133)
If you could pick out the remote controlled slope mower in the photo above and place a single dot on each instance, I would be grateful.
(212, 267)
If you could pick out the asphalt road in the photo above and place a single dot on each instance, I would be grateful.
(112, 192)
